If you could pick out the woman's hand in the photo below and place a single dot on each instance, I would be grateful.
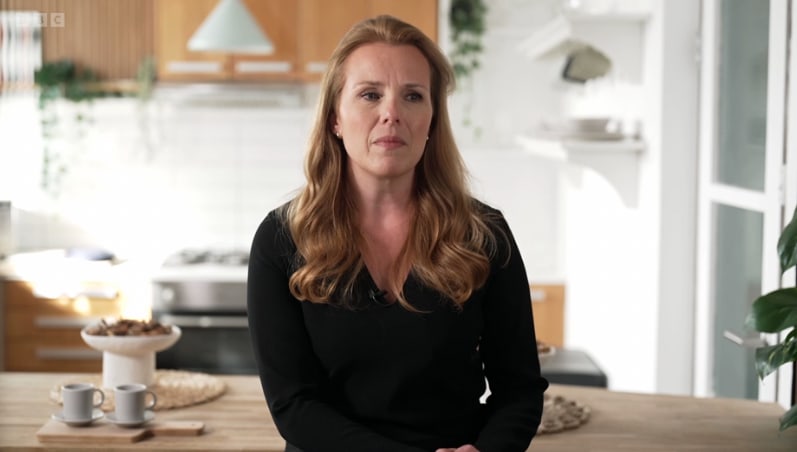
(465, 448)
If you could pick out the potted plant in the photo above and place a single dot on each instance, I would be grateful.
(776, 311)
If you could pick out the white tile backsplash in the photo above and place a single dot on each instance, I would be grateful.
(191, 175)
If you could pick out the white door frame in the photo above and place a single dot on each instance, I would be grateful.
(768, 202)
(789, 193)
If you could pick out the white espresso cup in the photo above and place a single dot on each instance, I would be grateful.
(79, 401)
(130, 401)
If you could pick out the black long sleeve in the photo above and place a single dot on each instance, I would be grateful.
(511, 363)
(292, 377)
(383, 378)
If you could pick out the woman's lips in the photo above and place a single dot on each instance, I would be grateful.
(390, 142)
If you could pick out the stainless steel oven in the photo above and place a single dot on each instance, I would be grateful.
(204, 293)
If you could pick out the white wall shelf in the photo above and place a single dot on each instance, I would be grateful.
(608, 16)
(618, 34)
(564, 147)
(574, 29)
(615, 160)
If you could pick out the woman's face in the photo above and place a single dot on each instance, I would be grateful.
(384, 110)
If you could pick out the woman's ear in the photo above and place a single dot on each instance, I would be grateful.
(334, 126)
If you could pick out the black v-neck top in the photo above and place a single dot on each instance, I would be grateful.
(381, 378)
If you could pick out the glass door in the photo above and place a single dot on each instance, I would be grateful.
(744, 60)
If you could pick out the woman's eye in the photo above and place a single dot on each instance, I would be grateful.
(414, 97)
(370, 95)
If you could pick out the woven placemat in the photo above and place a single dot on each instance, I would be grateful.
(174, 389)
(560, 414)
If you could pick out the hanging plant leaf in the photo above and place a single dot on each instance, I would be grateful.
(769, 359)
(466, 20)
(787, 245)
(59, 79)
(789, 419)
(55, 73)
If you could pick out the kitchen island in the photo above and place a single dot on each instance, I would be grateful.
(239, 420)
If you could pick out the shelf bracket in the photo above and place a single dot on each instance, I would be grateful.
(616, 161)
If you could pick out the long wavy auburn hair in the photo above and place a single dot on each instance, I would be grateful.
(450, 241)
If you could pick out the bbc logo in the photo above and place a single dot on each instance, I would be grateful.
(55, 20)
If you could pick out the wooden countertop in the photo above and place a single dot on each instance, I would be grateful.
(620, 422)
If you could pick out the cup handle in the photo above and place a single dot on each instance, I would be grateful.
(102, 397)
(151, 405)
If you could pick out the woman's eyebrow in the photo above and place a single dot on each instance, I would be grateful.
(369, 83)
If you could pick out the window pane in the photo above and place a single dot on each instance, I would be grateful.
(743, 40)
(737, 282)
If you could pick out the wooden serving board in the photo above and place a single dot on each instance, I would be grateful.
(105, 432)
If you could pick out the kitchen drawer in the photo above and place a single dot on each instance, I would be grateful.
(548, 304)
(32, 325)
(30, 321)
(20, 294)
(47, 356)
(43, 334)
(28, 315)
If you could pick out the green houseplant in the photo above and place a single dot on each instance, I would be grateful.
(63, 79)
(466, 19)
(59, 79)
(776, 311)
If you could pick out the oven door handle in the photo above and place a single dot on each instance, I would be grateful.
(204, 321)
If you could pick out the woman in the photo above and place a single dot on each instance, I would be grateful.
(381, 296)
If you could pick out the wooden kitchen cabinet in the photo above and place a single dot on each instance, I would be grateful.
(278, 18)
(548, 305)
(177, 20)
(43, 334)
(174, 23)
(304, 33)
(322, 23)
(421, 13)
(110, 38)
(113, 39)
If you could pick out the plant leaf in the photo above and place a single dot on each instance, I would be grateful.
(768, 359)
(787, 245)
(774, 311)
(789, 419)
(467, 26)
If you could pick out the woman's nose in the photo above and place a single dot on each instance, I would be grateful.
(390, 110)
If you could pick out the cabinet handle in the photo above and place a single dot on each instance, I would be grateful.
(746, 342)
(263, 67)
(64, 322)
(73, 354)
(197, 67)
(97, 293)
(316, 67)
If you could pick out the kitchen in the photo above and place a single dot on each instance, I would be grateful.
(202, 165)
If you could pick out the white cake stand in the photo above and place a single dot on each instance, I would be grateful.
(129, 359)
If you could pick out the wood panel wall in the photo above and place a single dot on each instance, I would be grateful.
(110, 37)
